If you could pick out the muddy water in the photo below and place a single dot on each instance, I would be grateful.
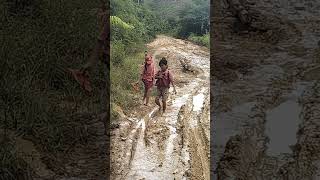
(151, 162)
(143, 162)
(282, 125)
(273, 85)
(164, 149)
(198, 101)
(225, 125)
(171, 121)
(282, 122)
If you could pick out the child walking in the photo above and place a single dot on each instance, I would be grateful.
(164, 79)
(147, 77)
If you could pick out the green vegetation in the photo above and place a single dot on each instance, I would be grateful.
(183, 17)
(135, 23)
(11, 167)
(200, 40)
(38, 99)
(41, 39)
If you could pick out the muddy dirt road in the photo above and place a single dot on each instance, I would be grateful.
(265, 90)
(175, 145)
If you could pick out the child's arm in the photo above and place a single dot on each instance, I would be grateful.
(174, 88)
(158, 76)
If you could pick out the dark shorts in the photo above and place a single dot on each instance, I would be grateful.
(163, 92)
(148, 84)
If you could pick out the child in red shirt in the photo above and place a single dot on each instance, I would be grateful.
(147, 77)
(164, 79)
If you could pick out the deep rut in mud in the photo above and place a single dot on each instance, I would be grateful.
(175, 145)
(265, 81)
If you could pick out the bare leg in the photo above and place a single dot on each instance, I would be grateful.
(145, 95)
(148, 95)
(158, 103)
(164, 104)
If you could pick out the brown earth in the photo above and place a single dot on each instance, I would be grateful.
(146, 145)
(265, 79)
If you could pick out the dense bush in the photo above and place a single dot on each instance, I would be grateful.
(182, 17)
(200, 40)
(132, 25)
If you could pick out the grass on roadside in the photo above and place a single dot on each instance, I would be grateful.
(200, 40)
(122, 75)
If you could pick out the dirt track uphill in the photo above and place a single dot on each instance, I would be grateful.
(175, 145)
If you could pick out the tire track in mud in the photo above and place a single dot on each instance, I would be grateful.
(246, 150)
(305, 159)
(245, 154)
(176, 145)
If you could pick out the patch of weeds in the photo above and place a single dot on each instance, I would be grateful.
(11, 167)
(38, 97)
(122, 76)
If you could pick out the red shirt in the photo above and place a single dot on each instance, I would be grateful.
(166, 79)
(148, 70)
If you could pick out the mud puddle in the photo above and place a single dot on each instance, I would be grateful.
(198, 101)
(225, 125)
(229, 123)
(282, 114)
(154, 162)
(282, 122)
(282, 125)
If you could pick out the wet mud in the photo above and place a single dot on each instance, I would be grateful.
(175, 145)
(264, 90)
